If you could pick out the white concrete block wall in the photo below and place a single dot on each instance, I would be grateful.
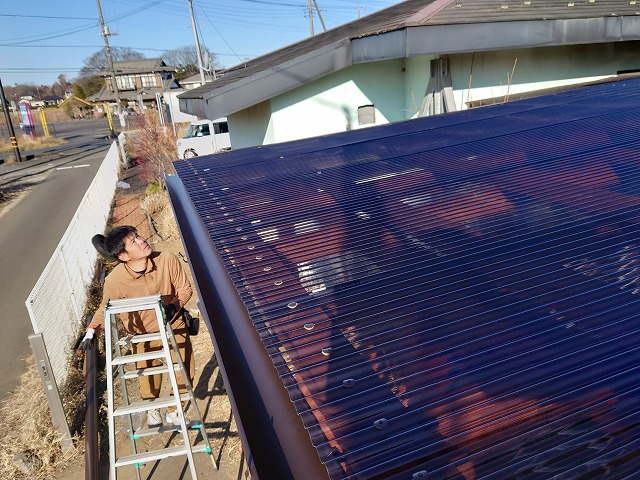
(57, 301)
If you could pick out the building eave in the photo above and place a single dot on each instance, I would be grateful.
(250, 90)
(236, 96)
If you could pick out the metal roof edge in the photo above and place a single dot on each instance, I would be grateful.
(472, 37)
(462, 38)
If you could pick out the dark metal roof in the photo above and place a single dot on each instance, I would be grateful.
(450, 297)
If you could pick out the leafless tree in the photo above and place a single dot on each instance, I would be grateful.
(98, 61)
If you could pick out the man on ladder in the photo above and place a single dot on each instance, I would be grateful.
(143, 272)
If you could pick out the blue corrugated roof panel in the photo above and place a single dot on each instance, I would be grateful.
(450, 297)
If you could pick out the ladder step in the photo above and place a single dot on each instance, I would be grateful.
(133, 304)
(146, 405)
(138, 357)
(159, 454)
(145, 432)
(139, 338)
(141, 372)
(152, 455)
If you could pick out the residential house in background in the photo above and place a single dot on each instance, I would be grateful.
(419, 58)
(32, 100)
(138, 82)
(52, 100)
(194, 81)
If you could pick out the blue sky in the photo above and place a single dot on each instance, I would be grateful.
(40, 39)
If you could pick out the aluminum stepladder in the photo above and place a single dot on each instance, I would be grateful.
(118, 355)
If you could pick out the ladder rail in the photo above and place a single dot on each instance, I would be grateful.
(125, 394)
(108, 330)
(192, 402)
(164, 328)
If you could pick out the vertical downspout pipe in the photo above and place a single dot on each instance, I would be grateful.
(91, 417)
(275, 442)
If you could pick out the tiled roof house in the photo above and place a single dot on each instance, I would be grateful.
(138, 81)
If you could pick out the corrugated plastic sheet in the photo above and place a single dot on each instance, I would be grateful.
(454, 297)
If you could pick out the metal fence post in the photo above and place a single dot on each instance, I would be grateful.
(51, 390)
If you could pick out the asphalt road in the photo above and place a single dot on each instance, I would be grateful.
(32, 227)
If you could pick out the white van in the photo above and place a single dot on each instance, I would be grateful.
(204, 137)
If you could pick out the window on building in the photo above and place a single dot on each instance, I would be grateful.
(148, 80)
(366, 114)
(126, 82)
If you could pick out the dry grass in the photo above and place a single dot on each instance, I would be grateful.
(158, 206)
(40, 142)
(27, 428)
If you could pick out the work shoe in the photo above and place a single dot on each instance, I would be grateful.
(171, 417)
(154, 419)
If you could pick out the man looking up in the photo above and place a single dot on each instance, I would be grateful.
(140, 273)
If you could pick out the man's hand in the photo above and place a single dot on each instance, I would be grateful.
(169, 312)
(88, 341)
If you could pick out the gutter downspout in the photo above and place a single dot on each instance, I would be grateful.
(275, 442)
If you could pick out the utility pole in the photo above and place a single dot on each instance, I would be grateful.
(12, 135)
(195, 36)
(310, 8)
(324, 28)
(105, 34)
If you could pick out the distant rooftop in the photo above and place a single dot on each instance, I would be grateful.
(450, 297)
(145, 65)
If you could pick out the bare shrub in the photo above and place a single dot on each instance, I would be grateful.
(153, 148)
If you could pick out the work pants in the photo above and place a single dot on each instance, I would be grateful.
(150, 385)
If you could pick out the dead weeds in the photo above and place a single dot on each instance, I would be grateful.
(27, 429)
(27, 144)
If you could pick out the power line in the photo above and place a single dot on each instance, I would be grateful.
(221, 36)
(44, 16)
(150, 49)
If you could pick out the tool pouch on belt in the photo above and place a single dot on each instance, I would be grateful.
(193, 324)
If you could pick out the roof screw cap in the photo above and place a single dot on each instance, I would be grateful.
(421, 475)
(348, 383)
(381, 423)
